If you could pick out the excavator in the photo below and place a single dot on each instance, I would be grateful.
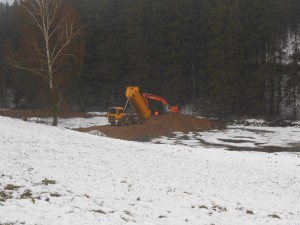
(140, 106)
(166, 107)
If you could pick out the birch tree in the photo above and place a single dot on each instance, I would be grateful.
(54, 30)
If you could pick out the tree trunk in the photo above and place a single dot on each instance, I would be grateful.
(279, 86)
(56, 101)
(294, 103)
(294, 79)
(272, 95)
(194, 90)
(54, 108)
(55, 115)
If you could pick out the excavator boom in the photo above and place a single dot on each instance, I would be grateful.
(147, 96)
(167, 107)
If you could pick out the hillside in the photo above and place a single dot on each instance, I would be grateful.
(154, 127)
(53, 175)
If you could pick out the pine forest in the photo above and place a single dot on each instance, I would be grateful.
(222, 58)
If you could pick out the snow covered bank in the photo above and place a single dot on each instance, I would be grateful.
(269, 139)
(52, 175)
(73, 123)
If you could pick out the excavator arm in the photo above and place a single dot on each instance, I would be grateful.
(147, 96)
(167, 107)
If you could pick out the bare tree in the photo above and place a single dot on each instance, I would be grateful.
(54, 32)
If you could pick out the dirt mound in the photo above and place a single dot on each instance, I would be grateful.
(153, 127)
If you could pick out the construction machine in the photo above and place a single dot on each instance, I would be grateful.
(166, 107)
(123, 116)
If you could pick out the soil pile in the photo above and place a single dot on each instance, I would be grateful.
(157, 126)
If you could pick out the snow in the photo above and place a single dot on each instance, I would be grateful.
(73, 123)
(238, 136)
(7, 1)
(79, 178)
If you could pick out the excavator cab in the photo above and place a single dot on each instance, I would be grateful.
(114, 114)
(173, 109)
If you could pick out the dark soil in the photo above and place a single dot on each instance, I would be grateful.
(154, 127)
(41, 113)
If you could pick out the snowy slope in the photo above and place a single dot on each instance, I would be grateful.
(73, 123)
(67, 177)
(243, 137)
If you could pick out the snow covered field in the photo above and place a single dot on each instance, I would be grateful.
(240, 138)
(51, 175)
(98, 119)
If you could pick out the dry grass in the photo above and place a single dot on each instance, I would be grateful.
(47, 182)
(11, 187)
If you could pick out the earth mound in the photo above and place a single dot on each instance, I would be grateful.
(154, 127)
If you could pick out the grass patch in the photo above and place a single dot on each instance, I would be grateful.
(219, 208)
(55, 195)
(4, 197)
(99, 211)
(127, 213)
(11, 187)
(250, 212)
(202, 207)
(125, 219)
(8, 223)
(274, 216)
(162, 216)
(47, 182)
(26, 194)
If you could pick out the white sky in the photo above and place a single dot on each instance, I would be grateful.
(9, 1)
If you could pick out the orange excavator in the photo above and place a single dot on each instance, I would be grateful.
(166, 107)
(139, 108)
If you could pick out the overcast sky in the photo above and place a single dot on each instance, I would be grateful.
(9, 1)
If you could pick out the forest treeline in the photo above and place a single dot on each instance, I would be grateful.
(224, 57)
